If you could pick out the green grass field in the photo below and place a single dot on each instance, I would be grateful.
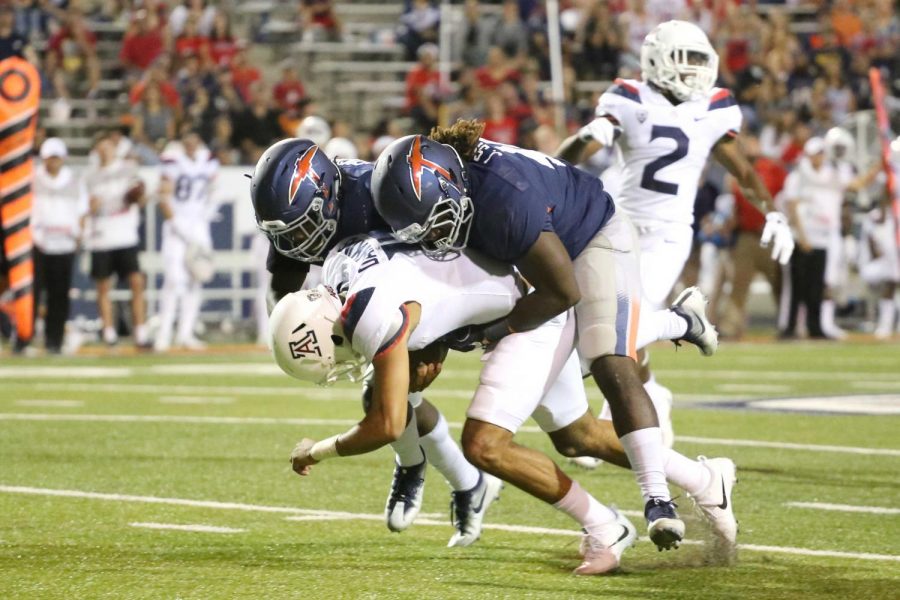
(90, 447)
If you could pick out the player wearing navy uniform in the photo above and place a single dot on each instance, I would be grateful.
(306, 203)
(561, 231)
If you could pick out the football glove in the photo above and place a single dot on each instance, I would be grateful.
(778, 233)
(464, 339)
(600, 130)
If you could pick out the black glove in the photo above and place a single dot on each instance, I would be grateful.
(464, 339)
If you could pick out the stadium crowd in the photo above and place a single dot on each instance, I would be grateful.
(184, 65)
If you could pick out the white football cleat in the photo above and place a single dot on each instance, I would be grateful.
(467, 509)
(191, 343)
(405, 500)
(586, 462)
(714, 503)
(690, 305)
(602, 551)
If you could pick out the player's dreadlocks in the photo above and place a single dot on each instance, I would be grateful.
(462, 135)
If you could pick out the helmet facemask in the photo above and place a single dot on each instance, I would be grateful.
(306, 237)
(447, 227)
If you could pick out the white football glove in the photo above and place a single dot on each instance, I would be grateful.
(600, 130)
(778, 233)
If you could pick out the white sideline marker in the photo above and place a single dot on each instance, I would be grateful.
(194, 528)
(9, 489)
(196, 420)
(196, 400)
(50, 403)
(875, 510)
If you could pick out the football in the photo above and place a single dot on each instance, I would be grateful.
(135, 193)
(435, 352)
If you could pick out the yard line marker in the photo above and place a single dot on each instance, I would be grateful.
(70, 372)
(187, 419)
(373, 517)
(788, 446)
(196, 528)
(196, 400)
(875, 510)
(750, 375)
(51, 403)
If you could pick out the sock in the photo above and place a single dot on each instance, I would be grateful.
(826, 315)
(585, 509)
(190, 311)
(885, 317)
(646, 454)
(167, 304)
(660, 325)
(407, 447)
(689, 475)
(109, 335)
(140, 334)
(662, 402)
(445, 456)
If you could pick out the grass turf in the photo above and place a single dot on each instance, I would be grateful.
(71, 547)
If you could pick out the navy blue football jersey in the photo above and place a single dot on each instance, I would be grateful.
(519, 193)
(358, 214)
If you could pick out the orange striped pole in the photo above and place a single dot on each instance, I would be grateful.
(20, 88)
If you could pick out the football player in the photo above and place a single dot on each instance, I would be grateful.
(188, 175)
(396, 299)
(305, 203)
(559, 227)
(664, 129)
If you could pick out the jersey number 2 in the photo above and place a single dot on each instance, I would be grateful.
(648, 181)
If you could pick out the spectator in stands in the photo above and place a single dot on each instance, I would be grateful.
(222, 44)
(635, 24)
(747, 256)
(838, 95)
(499, 125)
(423, 89)
(33, 19)
(598, 44)
(153, 121)
(112, 236)
(256, 127)
(60, 206)
(475, 34)
(244, 74)
(419, 25)
(226, 97)
(845, 21)
(144, 42)
(220, 144)
(510, 33)
(157, 75)
(498, 69)
(319, 21)
(190, 42)
(200, 12)
(13, 43)
(289, 90)
(72, 49)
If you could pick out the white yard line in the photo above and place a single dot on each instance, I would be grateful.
(887, 386)
(753, 388)
(241, 369)
(50, 403)
(875, 510)
(196, 400)
(373, 517)
(763, 375)
(195, 528)
(346, 422)
(70, 372)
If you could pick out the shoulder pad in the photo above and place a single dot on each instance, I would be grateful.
(721, 98)
(626, 89)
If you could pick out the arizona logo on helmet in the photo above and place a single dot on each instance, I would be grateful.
(419, 163)
(303, 170)
(305, 346)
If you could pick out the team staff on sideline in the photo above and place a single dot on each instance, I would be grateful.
(112, 236)
(60, 207)
(306, 203)
(186, 203)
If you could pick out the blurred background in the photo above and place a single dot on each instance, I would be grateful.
(353, 76)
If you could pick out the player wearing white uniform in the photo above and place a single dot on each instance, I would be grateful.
(186, 203)
(664, 129)
(398, 299)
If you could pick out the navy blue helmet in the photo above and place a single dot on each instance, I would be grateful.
(420, 188)
(295, 191)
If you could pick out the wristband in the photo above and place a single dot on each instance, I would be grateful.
(497, 331)
(326, 448)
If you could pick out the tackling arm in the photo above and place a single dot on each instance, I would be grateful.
(600, 132)
(386, 416)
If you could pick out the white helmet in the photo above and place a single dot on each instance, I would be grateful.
(340, 147)
(316, 129)
(895, 150)
(307, 338)
(678, 57)
(839, 144)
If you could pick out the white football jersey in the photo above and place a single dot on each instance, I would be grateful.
(663, 148)
(192, 179)
(379, 276)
